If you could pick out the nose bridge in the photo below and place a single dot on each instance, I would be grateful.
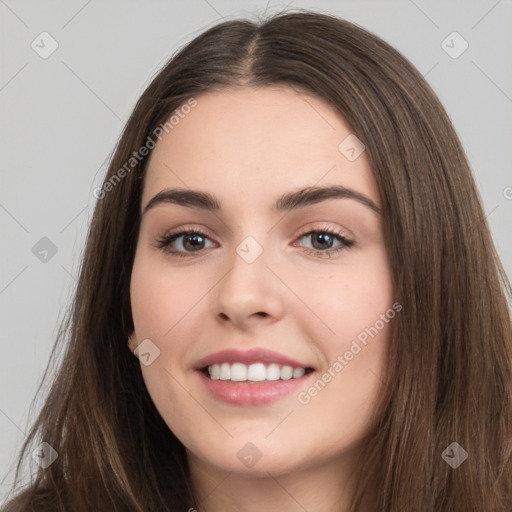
(249, 288)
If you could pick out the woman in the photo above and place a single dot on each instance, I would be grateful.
(290, 238)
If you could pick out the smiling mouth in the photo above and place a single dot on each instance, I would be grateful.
(252, 373)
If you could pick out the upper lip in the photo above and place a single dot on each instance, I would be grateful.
(255, 355)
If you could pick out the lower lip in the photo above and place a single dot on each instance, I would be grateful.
(257, 393)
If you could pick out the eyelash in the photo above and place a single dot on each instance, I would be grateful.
(164, 242)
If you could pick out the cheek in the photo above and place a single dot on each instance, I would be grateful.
(163, 310)
(347, 391)
(352, 300)
(161, 297)
(356, 305)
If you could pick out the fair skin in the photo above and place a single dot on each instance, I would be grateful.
(247, 147)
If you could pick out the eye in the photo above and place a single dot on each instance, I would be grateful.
(323, 242)
(192, 240)
(183, 243)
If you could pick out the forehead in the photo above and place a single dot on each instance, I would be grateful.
(256, 142)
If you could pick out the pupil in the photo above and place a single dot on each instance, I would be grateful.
(193, 240)
(322, 238)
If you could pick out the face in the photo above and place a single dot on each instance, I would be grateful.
(265, 283)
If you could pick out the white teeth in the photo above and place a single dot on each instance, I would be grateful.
(273, 372)
(298, 372)
(286, 372)
(215, 372)
(256, 372)
(225, 371)
(238, 372)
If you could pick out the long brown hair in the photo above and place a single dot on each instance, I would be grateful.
(450, 367)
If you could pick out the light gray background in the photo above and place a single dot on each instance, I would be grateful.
(60, 118)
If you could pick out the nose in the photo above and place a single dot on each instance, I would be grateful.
(249, 294)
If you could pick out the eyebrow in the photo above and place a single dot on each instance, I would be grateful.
(289, 201)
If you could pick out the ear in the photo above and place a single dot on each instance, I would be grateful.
(132, 337)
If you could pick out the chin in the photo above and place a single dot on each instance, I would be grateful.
(251, 459)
